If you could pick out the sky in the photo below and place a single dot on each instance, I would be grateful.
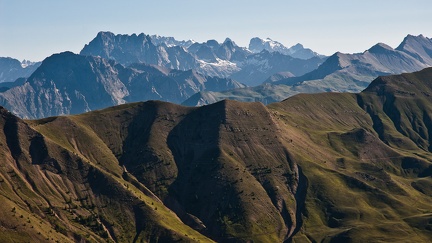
(34, 30)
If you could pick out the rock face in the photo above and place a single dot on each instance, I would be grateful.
(315, 167)
(211, 58)
(12, 69)
(67, 83)
(127, 49)
(170, 41)
(419, 47)
(339, 73)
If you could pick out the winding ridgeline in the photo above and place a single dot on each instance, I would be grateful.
(327, 167)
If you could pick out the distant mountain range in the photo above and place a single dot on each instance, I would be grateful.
(339, 73)
(12, 69)
(209, 58)
(353, 72)
(325, 167)
(68, 83)
(144, 67)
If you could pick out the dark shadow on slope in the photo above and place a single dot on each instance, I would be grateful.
(378, 124)
(300, 196)
(134, 148)
(12, 137)
(428, 123)
(194, 143)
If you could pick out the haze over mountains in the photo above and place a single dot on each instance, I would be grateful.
(327, 167)
(323, 167)
(257, 45)
(209, 58)
(223, 67)
(68, 83)
(339, 73)
(353, 72)
(12, 69)
(65, 84)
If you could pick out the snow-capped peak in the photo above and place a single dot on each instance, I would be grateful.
(25, 63)
(257, 45)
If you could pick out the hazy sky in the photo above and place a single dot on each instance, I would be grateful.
(36, 29)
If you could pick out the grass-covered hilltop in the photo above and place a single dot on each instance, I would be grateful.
(329, 167)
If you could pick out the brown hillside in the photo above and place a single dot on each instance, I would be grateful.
(313, 168)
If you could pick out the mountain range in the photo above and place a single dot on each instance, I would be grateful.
(68, 83)
(11, 69)
(328, 167)
(257, 45)
(210, 58)
(143, 67)
(338, 73)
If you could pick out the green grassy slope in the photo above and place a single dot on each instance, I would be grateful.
(367, 160)
(314, 168)
(66, 185)
(189, 157)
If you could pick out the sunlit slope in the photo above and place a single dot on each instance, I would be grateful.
(366, 158)
(65, 185)
(313, 168)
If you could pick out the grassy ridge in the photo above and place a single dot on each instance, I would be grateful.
(313, 168)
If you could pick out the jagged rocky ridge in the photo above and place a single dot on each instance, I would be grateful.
(316, 167)
(209, 58)
(298, 51)
(12, 69)
(68, 83)
(339, 73)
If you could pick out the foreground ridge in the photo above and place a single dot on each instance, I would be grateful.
(312, 168)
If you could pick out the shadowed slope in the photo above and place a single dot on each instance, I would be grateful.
(226, 147)
(313, 168)
(189, 157)
(365, 160)
(69, 187)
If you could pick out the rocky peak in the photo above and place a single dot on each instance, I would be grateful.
(419, 47)
(380, 48)
(297, 47)
(213, 44)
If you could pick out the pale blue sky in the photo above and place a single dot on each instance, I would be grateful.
(33, 30)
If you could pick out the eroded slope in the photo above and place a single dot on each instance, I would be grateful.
(313, 168)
